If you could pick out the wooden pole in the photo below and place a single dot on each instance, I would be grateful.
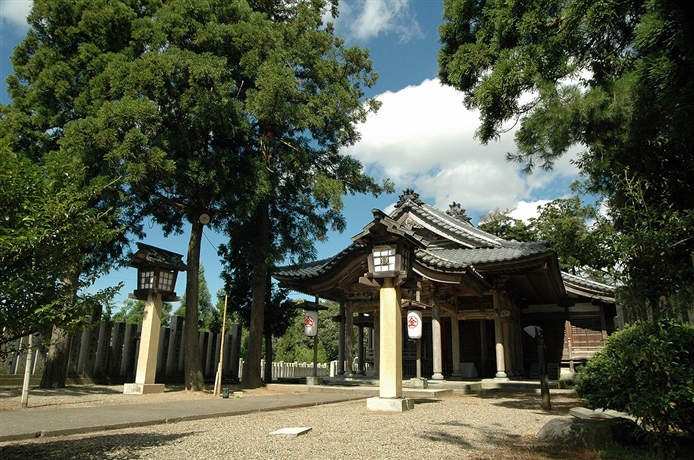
(27, 372)
(315, 345)
(218, 377)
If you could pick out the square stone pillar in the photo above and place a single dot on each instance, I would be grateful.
(149, 347)
(390, 355)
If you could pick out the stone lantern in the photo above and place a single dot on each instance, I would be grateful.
(157, 270)
(391, 254)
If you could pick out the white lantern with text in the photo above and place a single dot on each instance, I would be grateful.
(311, 323)
(414, 324)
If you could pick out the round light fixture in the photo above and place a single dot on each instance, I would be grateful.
(204, 219)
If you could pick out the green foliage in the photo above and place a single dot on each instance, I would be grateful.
(132, 312)
(658, 267)
(501, 224)
(209, 316)
(646, 370)
(613, 77)
(294, 345)
(47, 231)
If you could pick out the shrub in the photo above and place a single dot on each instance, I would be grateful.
(647, 371)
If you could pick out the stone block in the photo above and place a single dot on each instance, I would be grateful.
(419, 382)
(389, 404)
(314, 380)
(142, 388)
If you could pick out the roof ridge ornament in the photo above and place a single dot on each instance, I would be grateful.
(411, 195)
(458, 212)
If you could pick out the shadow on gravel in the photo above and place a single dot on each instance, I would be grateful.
(111, 446)
(426, 401)
(561, 404)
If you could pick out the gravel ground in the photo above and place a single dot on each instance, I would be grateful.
(485, 426)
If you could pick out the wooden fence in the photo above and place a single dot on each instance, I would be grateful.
(106, 353)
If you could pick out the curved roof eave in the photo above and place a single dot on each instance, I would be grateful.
(588, 288)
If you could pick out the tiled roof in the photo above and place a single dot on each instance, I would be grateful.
(148, 254)
(312, 269)
(447, 224)
(464, 257)
(392, 226)
(580, 282)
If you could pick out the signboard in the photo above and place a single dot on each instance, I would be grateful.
(311, 323)
(414, 324)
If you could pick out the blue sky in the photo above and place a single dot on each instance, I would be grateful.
(422, 137)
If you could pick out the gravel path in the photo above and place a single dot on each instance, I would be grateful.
(488, 426)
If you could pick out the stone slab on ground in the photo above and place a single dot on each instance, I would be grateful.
(291, 432)
(597, 414)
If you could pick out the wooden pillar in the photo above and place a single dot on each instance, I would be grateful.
(508, 361)
(436, 342)
(349, 342)
(455, 339)
(341, 342)
(360, 349)
(483, 346)
(499, 338)
(377, 343)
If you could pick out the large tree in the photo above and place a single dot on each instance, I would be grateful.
(303, 95)
(146, 92)
(613, 76)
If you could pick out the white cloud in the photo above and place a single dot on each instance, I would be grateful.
(15, 11)
(525, 210)
(367, 19)
(423, 138)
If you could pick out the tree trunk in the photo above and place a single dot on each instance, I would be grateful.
(251, 370)
(268, 358)
(192, 359)
(55, 369)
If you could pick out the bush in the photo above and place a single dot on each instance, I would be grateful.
(647, 371)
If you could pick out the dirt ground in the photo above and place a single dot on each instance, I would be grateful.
(102, 395)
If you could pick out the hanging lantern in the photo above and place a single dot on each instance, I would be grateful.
(414, 324)
(311, 323)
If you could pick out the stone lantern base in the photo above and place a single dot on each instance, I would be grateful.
(142, 388)
(389, 404)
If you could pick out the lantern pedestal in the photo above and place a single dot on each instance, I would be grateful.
(143, 389)
(149, 345)
(390, 404)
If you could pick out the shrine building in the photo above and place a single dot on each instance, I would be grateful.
(475, 292)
